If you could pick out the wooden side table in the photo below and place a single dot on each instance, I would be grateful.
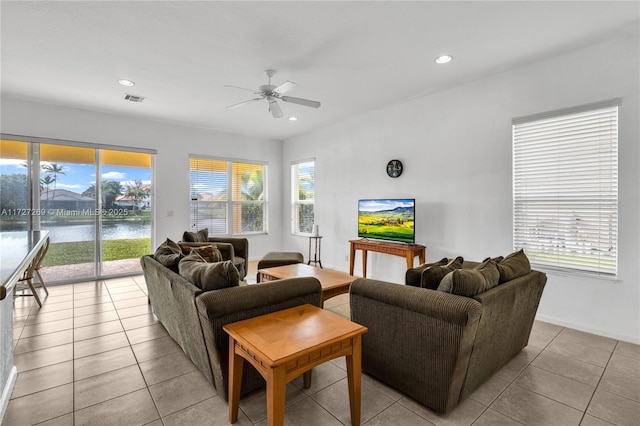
(408, 251)
(316, 254)
(284, 344)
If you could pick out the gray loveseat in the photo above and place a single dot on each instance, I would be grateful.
(194, 318)
(438, 347)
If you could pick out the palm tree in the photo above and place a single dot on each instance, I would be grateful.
(45, 183)
(137, 191)
(252, 186)
(110, 191)
(55, 170)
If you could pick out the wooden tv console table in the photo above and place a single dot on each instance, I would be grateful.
(408, 251)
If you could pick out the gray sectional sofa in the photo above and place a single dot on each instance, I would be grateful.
(194, 318)
(437, 346)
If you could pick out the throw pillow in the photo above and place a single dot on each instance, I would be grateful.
(412, 276)
(168, 254)
(432, 276)
(513, 266)
(208, 276)
(471, 282)
(202, 236)
(208, 253)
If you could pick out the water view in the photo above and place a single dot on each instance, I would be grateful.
(86, 232)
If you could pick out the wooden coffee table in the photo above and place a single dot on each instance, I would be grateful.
(284, 344)
(333, 282)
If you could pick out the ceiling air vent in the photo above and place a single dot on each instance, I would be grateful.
(133, 98)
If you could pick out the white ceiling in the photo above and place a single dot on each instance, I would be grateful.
(353, 56)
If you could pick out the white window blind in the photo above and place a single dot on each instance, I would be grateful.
(227, 197)
(303, 196)
(565, 188)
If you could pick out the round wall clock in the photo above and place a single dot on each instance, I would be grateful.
(394, 168)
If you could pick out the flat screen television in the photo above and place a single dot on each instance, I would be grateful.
(387, 219)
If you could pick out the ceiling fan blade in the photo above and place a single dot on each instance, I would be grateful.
(241, 88)
(300, 101)
(275, 109)
(285, 87)
(234, 106)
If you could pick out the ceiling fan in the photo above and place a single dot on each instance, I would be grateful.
(272, 93)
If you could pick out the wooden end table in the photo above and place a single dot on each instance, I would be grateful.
(284, 344)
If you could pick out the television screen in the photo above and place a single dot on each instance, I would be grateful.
(387, 219)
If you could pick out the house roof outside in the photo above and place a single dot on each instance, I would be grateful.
(63, 195)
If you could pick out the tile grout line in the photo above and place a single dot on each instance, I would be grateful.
(510, 383)
(135, 356)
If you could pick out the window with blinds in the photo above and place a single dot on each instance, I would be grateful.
(303, 196)
(565, 188)
(227, 197)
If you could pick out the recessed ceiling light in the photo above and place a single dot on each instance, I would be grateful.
(292, 118)
(126, 82)
(443, 59)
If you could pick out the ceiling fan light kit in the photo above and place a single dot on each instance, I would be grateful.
(272, 94)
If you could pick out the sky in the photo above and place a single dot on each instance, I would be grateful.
(390, 204)
(78, 177)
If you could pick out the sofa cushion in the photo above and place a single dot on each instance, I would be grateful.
(208, 276)
(202, 236)
(471, 282)
(168, 254)
(432, 275)
(414, 275)
(513, 266)
(209, 253)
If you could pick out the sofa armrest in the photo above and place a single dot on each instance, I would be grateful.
(240, 248)
(220, 307)
(419, 340)
(436, 304)
(240, 245)
(508, 313)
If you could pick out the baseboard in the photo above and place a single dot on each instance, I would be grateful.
(588, 329)
(7, 391)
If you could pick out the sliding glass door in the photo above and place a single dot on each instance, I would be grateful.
(65, 173)
(125, 222)
(95, 202)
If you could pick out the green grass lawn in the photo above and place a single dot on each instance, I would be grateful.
(83, 251)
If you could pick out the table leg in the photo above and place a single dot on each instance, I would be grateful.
(354, 375)
(422, 256)
(409, 260)
(364, 264)
(276, 392)
(306, 379)
(236, 362)
(352, 259)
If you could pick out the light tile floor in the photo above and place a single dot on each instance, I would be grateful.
(95, 354)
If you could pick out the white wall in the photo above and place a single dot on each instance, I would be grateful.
(456, 149)
(173, 144)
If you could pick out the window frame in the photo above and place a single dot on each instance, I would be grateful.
(230, 204)
(565, 193)
(296, 202)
